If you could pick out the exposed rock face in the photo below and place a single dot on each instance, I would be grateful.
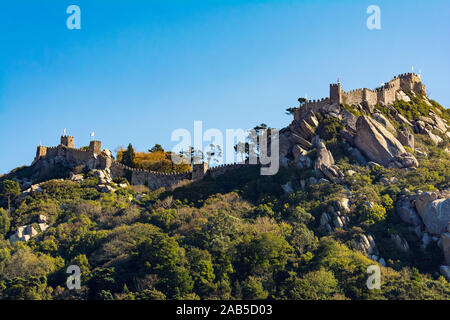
(446, 246)
(103, 176)
(437, 216)
(298, 152)
(406, 138)
(349, 120)
(344, 205)
(358, 155)
(365, 244)
(425, 126)
(384, 121)
(430, 212)
(435, 138)
(407, 213)
(402, 119)
(311, 119)
(400, 244)
(301, 141)
(325, 163)
(400, 95)
(422, 200)
(439, 124)
(445, 271)
(379, 145)
(23, 233)
(303, 129)
(284, 145)
(76, 177)
(107, 153)
(105, 188)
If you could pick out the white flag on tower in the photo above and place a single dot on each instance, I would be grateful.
(92, 134)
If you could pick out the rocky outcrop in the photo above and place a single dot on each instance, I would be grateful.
(446, 246)
(303, 129)
(366, 244)
(406, 212)
(296, 139)
(103, 176)
(400, 243)
(430, 212)
(400, 95)
(402, 119)
(433, 137)
(76, 177)
(445, 271)
(284, 145)
(422, 200)
(325, 163)
(379, 145)
(23, 233)
(349, 120)
(426, 125)
(437, 216)
(298, 152)
(439, 124)
(384, 121)
(406, 138)
(26, 232)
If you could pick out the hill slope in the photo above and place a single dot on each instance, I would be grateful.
(359, 185)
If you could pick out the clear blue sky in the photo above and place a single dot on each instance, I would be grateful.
(137, 70)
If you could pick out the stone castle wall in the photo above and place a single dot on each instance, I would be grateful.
(152, 179)
(94, 158)
(222, 169)
(352, 97)
(385, 94)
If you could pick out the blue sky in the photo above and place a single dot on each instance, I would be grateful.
(137, 70)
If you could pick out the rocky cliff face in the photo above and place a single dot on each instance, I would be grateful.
(380, 145)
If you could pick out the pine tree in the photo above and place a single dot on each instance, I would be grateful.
(128, 156)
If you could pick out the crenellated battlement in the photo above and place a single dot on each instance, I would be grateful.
(385, 94)
(68, 141)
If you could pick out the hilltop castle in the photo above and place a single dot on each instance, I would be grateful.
(383, 95)
(94, 158)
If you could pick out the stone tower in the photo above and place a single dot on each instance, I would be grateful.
(199, 170)
(41, 152)
(95, 147)
(68, 141)
(335, 93)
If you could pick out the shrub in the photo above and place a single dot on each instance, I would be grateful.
(329, 128)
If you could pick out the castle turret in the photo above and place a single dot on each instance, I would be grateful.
(41, 152)
(199, 170)
(335, 93)
(412, 82)
(95, 147)
(68, 141)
